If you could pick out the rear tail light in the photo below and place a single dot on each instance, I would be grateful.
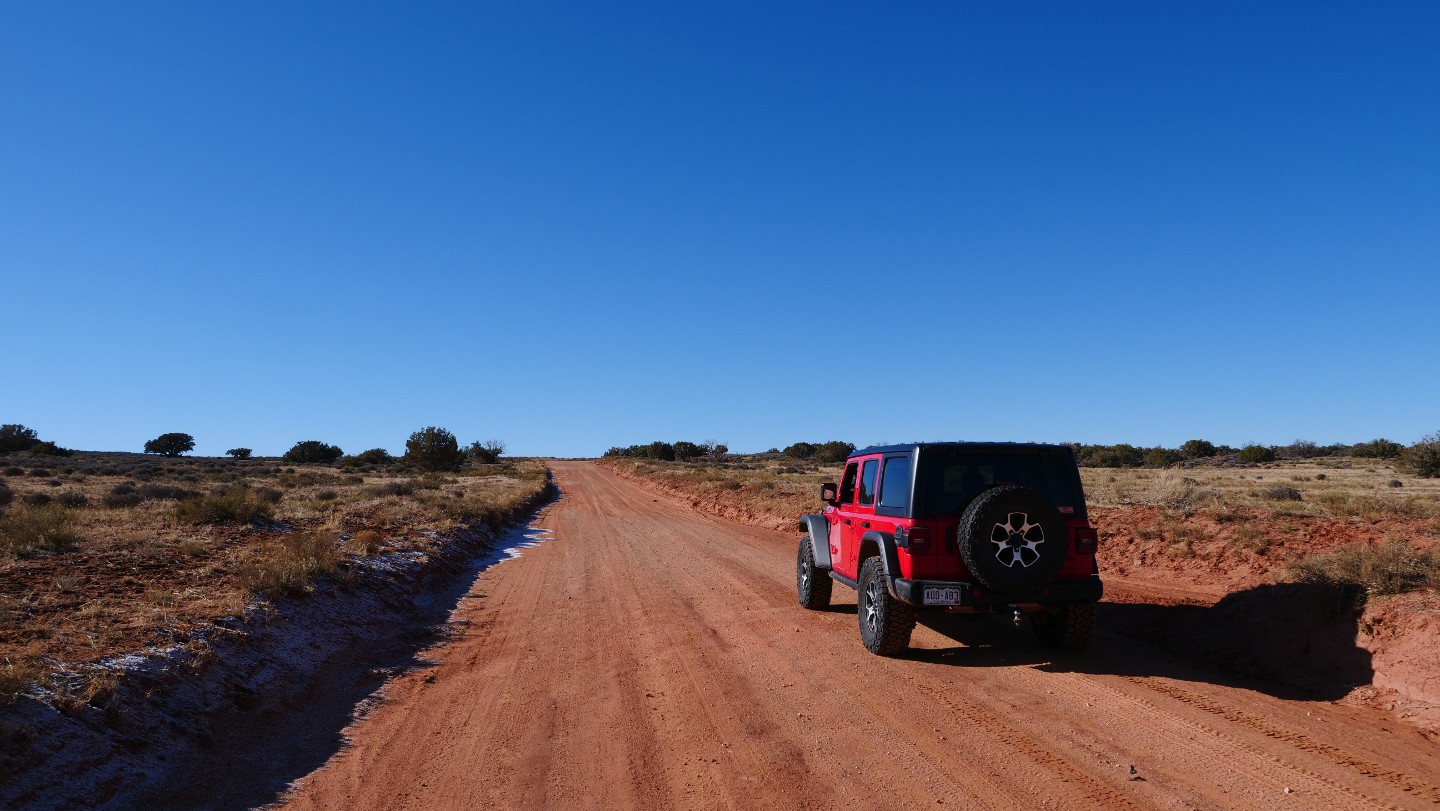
(1086, 540)
(919, 540)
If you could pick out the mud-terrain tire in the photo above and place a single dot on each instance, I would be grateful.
(885, 622)
(812, 585)
(1065, 627)
(1012, 539)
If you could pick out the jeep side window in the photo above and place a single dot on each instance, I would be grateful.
(847, 485)
(895, 483)
(867, 482)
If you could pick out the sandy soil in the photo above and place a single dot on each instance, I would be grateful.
(654, 657)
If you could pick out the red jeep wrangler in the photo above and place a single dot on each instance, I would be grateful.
(968, 527)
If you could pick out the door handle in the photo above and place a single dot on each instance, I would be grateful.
(865, 524)
(847, 522)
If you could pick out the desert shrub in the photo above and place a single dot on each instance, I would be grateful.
(1197, 449)
(48, 449)
(1422, 458)
(800, 450)
(1162, 457)
(13, 470)
(6, 495)
(394, 488)
(1377, 449)
(15, 438)
(74, 499)
(232, 505)
(374, 456)
(433, 448)
(268, 494)
(39, 472)
(53, 483)
(115, 501)
(326, 495)
(487, 452)
(239, 453)
(287, 566)
(833, 452)
(365, 542)
(172, 444)
(164, 492)
(37, 529)
(1256, 454)
(312, 452)
(1301, 449)
(36, 499)
(1394, 567)
(1121, 455)
(1280, 494)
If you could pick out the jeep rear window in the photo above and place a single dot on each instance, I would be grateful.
(950, 479)
(867, 482)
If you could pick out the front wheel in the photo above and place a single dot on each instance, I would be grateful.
(812, 585)
(1066, 627)
(885, 622)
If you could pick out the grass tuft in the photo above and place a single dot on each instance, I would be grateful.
(37, 529)
(1394, 567)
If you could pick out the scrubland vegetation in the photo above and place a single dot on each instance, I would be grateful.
(103, 553)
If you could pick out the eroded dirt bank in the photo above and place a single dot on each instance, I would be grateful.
(654, 657)
(232, 712)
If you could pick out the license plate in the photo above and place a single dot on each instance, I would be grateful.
(934, 596)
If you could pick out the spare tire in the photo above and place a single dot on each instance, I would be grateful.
(1012, 539)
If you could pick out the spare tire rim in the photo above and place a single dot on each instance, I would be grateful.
(1016, 540)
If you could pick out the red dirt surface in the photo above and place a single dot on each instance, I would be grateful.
(651, 656)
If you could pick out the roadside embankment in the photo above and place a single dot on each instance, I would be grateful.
(166, 724)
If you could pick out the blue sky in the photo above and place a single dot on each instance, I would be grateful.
(570, 226)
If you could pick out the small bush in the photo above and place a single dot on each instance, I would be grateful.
(40, 472)
(36, 499)
(235, 505)
(74, 499)
(1280, 494)
(365, 542)
(165, 492)
(1256, 454)
(16, 676)
(288, 566)
(312, 452)
(374, 456)
(12, 470)
(6, 495)
(269, 494)
(1422, 458)
(1394, 483)
(326, 495)
(239, 453)
(1392, 568)
(37, 529)
(395, 488)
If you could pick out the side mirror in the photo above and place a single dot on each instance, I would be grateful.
(830, 493)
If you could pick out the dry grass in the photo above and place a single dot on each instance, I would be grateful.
(1393, 567)
(155, 544)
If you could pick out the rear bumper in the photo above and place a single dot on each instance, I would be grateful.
(950, 594)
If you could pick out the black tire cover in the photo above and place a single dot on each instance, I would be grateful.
(1012, 539)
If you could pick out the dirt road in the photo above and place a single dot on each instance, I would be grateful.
(653, 657)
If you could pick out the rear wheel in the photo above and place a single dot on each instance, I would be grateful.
(1065, 627)
(812, 585)
(885, 622)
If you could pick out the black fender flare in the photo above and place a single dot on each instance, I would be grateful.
(819, 530)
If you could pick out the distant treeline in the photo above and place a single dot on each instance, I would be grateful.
(1124, 455)
(672, 451)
